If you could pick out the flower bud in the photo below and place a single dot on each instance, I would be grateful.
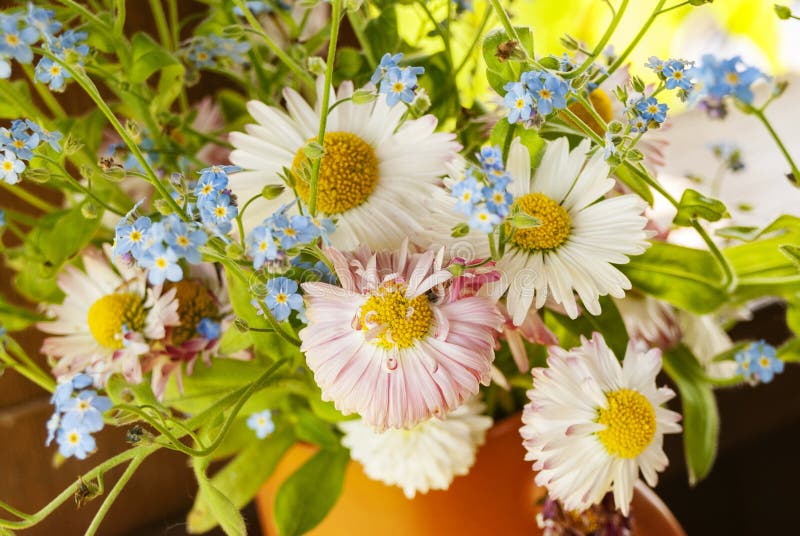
(783, 12)
(316, 65)
(271, 191)
(364, 96)
(40, 175)
(89, 211)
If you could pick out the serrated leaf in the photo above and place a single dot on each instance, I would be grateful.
(309, 493)
(699, 407)
(696, 206)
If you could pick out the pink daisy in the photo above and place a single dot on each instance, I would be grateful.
(394, 343)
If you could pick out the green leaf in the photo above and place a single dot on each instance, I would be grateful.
(635, 183)
(499, 72)
(700, 415)
(15, 318)
(791, 252)
(739, 232)
(307, 496)
(220, 507)
(147, 58)
(381, 32)
(685, 277)
(170, 84)
(312, 429)
(696, 206)
(241, 478)
(608, 323)
(60, 236)
(233, 341)
(528, 137)
(789, 351)
(349, 63)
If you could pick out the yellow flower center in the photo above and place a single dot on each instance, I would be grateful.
(602, 105)
(764, 362)
(398, 87)
(281, 297)
(630, 421)
(83, 405)
(545, 94)
(55, 70)
(12, 39)
(555, 223)
(348, 173)
(74, 438)
(195, 302)
(183, 241)
(399, 321)
(19, 144)
(8, 165)
(108, 314)
(732, 78)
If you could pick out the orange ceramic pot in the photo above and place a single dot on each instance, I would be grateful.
(498, 496)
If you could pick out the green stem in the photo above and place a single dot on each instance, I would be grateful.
(583, 126)
(77, 184)
(336, 20)
(28, 197)
(486, 16)
(164, 35)
(632, 45)
(506, 22)
(438, 28)
(119, 17)
(763, 118)
(49, 100)
(88, 86)
(729, 281)
(273, 47)
(358, 28)
(115, 491)
(600, 44)
(589, 108)
(676, 6)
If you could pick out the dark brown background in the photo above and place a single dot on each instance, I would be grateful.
(752, 490)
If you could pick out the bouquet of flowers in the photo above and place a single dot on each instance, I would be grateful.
(285, 222)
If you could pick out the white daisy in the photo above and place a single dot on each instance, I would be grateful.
(592, 424)
(376, 171)
(428, 456)
(105, 320)
(579, 237)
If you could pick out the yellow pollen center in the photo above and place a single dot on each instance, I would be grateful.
(183, 241)
(8, 166)
(555, 223)
(220, 212)
(83, 405)
(520, 103)
(348, 173)
(630, 421)
(652, 108)
(195, 302)
(545, 94)
(764, 362)
(207, 189)
(677, 75)
(397, 87)
(135, 236)
(12, 39)
(108, 314)
(732, 78)
(400, 321)
(19, 144)
(74, 438)
(281, 297)
(161, 262)
(55, 70)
